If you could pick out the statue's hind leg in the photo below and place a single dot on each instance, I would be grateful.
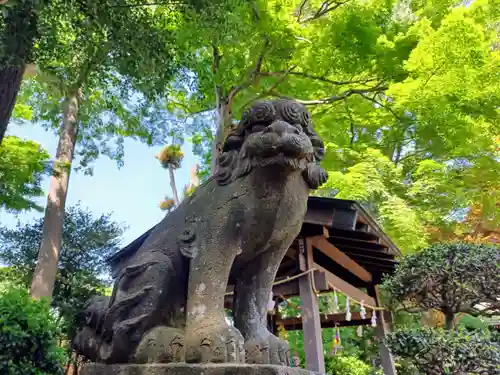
(146, 295)
(252, 291)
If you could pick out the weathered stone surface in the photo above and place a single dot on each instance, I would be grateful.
(168, 301)
(192, 369)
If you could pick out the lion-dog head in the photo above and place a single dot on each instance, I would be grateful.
(273, 133)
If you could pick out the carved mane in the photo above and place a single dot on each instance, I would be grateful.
(233, 162)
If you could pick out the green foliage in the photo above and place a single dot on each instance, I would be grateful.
(171, 155)
(372, 178)
(354, 348)
(436, 352)
(28, 335)
(202, 147)
(18, 32)
(87, 242)
(22, 167)
(404, 94)
(167, 204)
(188, 191)
(9, 279)
(341, 364)
(115, 58)
(452, 278)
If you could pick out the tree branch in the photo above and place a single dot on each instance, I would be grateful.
(326, 7)
(253, 74)
(351, 122)
(318, 78)
(260, 59)
(270, 90)
(149, 4)
(188, 112)
(342, 96)
(201, 111)
(91, 63)
(301, 8)
(216, 58)
(382, 105)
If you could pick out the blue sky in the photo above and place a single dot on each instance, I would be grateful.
(131, 194)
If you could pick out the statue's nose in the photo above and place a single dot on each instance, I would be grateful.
(282, 127)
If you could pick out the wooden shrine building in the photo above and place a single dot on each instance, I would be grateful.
(340, 247)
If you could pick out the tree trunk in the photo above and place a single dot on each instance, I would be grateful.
(172, 184)
(10, 82)
(67, 370)
(18, 37)
(449, 322)
(76, 365)
(223, 121)
(48, 254)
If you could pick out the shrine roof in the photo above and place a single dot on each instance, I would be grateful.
(347, 226)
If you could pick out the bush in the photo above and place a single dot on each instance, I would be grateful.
(27, 336)
(437, 351)
(342, 365)
(449, 277)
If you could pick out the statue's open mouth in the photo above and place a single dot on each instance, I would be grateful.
(269, 144)
(288, 149)
(277, 133)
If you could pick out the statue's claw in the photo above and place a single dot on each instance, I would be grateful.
(267, 349)
(215, 344)
(161, 345)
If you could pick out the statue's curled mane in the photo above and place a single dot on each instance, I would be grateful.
(234, 161)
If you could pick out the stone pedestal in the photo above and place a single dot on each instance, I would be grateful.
(192, 369)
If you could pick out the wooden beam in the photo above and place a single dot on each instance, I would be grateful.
(362, 227)
(362, 245)
(289, 326)
(310, 230)
(374, 259)
(290, 288)
(382, 329)
(374, 267)
(291, 253)
(353, 234)
(346, 288)
(363, 251)
(344, 219)
(313, 342)
(319, 216)
(331, 320)
(383, 238)
(326, 233)
(321, 243)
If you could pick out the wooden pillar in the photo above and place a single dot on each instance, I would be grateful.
(271, 321)
(311, 322)
(381, 330)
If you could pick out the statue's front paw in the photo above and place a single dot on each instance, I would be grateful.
(214, 344)
(161, 345)
(87, 343)
(267, 349)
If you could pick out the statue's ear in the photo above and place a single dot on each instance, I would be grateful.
(315, 175)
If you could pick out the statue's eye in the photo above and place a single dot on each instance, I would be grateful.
(257, 128)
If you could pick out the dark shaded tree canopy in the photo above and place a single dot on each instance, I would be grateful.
(450, 277)
(83, 273)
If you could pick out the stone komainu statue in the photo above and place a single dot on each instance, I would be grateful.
(168, 301)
